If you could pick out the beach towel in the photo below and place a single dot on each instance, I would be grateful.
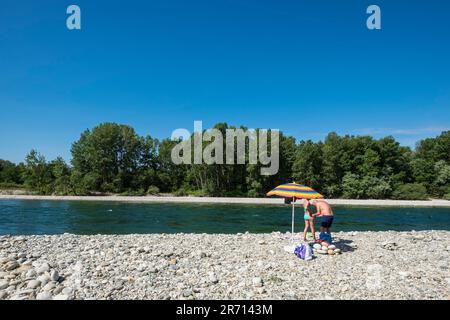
(304, 252)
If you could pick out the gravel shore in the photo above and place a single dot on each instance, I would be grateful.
(224, 200)
(372, 265)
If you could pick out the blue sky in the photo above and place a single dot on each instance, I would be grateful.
(305, 67)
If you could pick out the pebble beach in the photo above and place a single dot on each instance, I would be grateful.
(370, 265)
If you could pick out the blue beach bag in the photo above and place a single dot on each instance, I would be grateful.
(325, 237)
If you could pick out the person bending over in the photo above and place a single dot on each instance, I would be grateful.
(325, 212)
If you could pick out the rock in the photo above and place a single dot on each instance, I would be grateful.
(261, 242)
(43, 279)
(320, 251)
(3, 295)
(11, 265)
(200, 254)
(337, 251)
(31, 273)
(49, 286)
(257, 282)
(43, 268)
(173, 261)
(4, 284)
(67, 291)
(187, 293)
(44, 296)
(117, 287)
(33, 284)
(25, 292)
(21, 255)
(324, 248)
(23, 268)
(345, 288)
(57, 289)
(168, 253)
(331, 247)
(443, 265)
(389, 245)
(213, 279)
(317, 246)
(4, 260)
(152, 270)
(54, 275)
(61, 297)
(330, 252)
(27, 263)
(260, 290)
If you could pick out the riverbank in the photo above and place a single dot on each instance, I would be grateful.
(372, 265)
(220, 200)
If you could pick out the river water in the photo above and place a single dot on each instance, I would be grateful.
(26, 217)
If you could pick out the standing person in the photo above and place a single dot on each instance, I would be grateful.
(309, 220)
(326, 213)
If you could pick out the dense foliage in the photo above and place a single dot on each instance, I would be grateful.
(113, 158)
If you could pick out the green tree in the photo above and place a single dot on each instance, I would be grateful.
(170, 176)
(410, 191)
(308, 163)
(10, 173)
(37, 174)
(111, 157)
(61, 176)
(371, 163)
(332, 170)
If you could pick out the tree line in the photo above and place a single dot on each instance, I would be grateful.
(113, 158)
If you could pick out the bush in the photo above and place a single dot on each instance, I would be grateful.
(252, 193)
(152, 190)
(197, 193)
(352, 188)
(366, 187)
(445, 194)
(376, 188)
(10, 185)
(133, 193)
(236, 194)
(410, 191)
(182, 192)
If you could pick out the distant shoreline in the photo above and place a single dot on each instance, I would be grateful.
(219, 200)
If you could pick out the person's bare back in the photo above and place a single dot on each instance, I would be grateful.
(326, 213)
(323, 208)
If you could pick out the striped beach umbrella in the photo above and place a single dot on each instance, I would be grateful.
(294, 191)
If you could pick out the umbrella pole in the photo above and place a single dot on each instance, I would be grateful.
(293, 218)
